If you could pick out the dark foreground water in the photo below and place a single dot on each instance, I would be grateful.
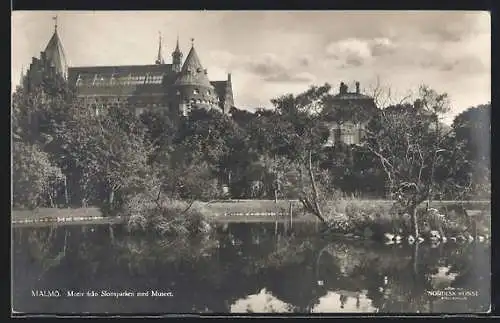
(244, 268)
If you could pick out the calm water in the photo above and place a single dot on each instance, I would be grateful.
(243, 268)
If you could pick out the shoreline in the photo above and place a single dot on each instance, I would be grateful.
(226, 211)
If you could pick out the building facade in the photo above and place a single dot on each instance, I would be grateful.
(347, 114)
(176, 87)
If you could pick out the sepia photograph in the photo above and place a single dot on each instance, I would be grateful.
(235, 162)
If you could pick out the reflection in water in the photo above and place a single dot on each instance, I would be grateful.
(263, 302)
(242, 268)
(443, 278)
(344, 302)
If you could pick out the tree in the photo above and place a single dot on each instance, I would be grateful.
(103, 154)
(124, 153)
(305, 135)
(408, 140)
(472, 131)
(33, 175)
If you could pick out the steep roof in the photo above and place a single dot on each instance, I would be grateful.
(192, 72)
(352, 96)
(54, 52)
(121, 80)
(159, 58)
(177, 49)
(220, 88)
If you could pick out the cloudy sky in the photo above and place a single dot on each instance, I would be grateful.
(270, 53)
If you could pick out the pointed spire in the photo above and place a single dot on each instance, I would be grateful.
(192, 71)
(22, 76)
(177, 57)
(177, 44)
(54, 52)
(159, 59)
(55, 23)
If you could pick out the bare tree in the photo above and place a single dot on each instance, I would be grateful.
(407, 139)
(384, 95)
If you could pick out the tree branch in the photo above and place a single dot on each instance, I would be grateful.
(315, 190)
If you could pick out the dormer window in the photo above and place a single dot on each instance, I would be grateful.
(196, 91)
(208, 92)
(198, 70)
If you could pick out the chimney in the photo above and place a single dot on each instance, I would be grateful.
(343, 88)
(357, 87)
(229, 77)
(418, 104)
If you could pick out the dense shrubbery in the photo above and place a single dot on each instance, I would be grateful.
(168, 217)
(373, 219)
(108, 157)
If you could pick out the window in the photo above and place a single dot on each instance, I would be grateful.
(208, 92)
(348, 138)
(196, 91)
(78, 80)
(138, 111)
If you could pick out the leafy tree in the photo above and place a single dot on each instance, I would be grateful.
(103, 154)
(472, 131)
(33, 175)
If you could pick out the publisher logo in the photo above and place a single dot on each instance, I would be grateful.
(452, 294)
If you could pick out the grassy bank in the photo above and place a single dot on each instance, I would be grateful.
(250, 207)
(361, 217)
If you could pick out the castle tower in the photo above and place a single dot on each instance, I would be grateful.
(192, 85)
(51, 64)
(54, 54)
(177, 58)
(159, 58)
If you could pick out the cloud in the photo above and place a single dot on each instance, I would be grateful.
(270, 68)
(354, 52)
(349, 52)
(286, 77)
(471, 56)
(457, 26)
(382, 47)
(464, 65)
(265, 65)
(446, 58)
(305, 61)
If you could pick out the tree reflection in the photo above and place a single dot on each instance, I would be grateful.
(263, 302)
(244, 268)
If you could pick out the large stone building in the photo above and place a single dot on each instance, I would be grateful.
(347, 114)
(175, 87)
